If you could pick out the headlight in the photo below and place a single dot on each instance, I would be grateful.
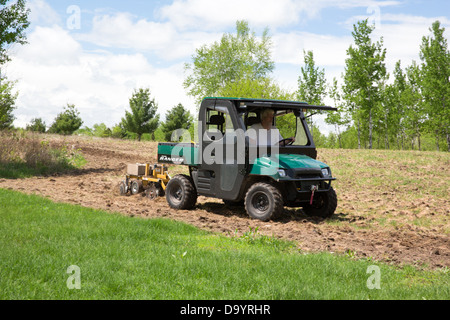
(282, 172)
(326, 172)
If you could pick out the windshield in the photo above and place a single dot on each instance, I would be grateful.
(285, 121)
(291, 126)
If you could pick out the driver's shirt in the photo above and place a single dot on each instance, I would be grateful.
(263, 136)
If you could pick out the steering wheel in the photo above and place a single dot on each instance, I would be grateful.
(285, 143)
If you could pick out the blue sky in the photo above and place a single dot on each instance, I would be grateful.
(95, 53)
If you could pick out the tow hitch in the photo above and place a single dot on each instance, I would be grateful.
(313, 189)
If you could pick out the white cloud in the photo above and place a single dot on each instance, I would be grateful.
(51, 46)
(402, 34)
(120, 31)
(206, 14)
(53, 70)
(42, 14)
(356, 3)
(328, 50)
(219, 14)
(159, 38)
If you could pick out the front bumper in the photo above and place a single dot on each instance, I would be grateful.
(304, 185)
(303, 180)
(297, 186)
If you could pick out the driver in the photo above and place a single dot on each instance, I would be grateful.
(266, 133)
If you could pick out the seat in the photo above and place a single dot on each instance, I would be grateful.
(252, 120)
(216, 119)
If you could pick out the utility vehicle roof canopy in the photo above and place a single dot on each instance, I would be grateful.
(275, 104)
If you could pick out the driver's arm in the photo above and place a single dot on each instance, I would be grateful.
(287, 141)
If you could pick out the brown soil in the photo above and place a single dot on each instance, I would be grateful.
(348, 232)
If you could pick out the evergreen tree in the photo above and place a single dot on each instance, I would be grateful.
(142, 118)
(66, 122)
(176, 118)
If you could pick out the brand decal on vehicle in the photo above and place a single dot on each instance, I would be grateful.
(171, 159)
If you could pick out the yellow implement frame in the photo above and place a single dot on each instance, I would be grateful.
(154, 174)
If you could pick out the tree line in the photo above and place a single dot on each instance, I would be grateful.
(414, 104)
(140, 120)
(406, 110)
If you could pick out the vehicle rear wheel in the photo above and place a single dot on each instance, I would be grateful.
(181, 192)
(324, 204)
(263, 201)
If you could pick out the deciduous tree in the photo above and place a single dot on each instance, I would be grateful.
(7, 104)
(233, 58)
(37, 125)
(435, 82)
(13, 22)
(312, 87)
(415, 115)
(341, 117)
(364, 74)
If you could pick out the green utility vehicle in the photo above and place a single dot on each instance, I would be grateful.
(226, 161)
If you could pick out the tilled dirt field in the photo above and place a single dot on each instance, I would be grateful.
(356, 229)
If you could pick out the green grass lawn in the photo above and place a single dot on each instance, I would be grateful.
(120, 257)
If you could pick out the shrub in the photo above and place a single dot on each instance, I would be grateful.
(37, 125)
(23, 155)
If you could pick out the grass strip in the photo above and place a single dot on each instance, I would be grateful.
(118, 257)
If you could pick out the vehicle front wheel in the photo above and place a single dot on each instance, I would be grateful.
(324, 204)
(181, 192)
(263, 201)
